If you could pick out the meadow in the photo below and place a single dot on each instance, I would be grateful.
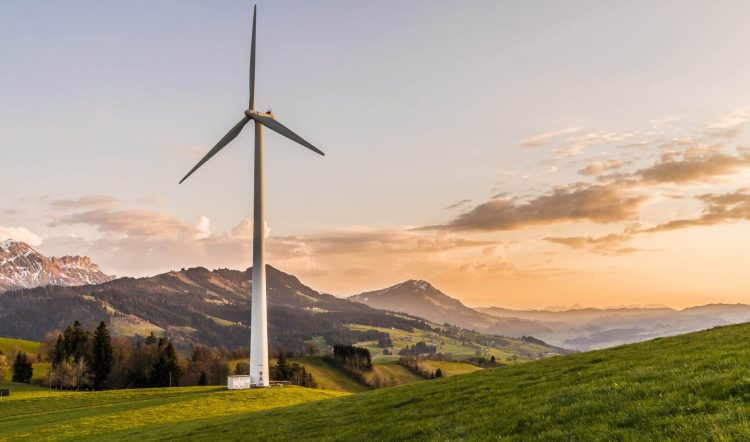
(11, 346)
(689, 387)
(39, 414)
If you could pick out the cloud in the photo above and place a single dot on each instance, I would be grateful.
(20, 234)
(598, 167)
(694, 167)
(718, 209)
(384, 241)
(611, 244)
(203, 227)
(541, 139)
(131, 222)
(729, 126)
(458, 204)
(572, 146)
(85, 202)
(572, 203)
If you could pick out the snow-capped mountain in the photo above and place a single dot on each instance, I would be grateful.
(23, 267)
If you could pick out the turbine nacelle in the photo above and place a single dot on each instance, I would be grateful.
(250, 113)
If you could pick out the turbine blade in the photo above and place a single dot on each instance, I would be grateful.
(231, 135)
(285, 131)
(252, 64)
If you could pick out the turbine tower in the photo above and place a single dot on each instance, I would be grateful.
(259, 372)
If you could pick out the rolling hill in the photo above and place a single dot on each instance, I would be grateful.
(689, 387)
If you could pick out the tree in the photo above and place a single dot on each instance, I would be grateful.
(203, 379)
(151, 339)
(76, 341)
(242, 368)
(167, 370)
(492, 359)
(3, 366)
(22, 368)
(294, 373)
(101, 358)
(353, 358)
(81, 374)
(438, 373)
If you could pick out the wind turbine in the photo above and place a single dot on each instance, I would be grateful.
(259, 373)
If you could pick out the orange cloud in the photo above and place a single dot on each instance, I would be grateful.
(573, 203)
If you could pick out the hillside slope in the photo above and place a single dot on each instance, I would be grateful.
(690, 387)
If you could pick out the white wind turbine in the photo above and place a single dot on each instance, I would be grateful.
(258, 321)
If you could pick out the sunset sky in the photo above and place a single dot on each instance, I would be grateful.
(518, 154)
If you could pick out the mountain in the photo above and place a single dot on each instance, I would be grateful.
(591, 328)
(420, 298)
(195, 306)
(23, 267)
(212, 307)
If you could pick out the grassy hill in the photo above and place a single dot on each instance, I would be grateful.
(8, 345)
(329, 377)
(690, 387)
(11, 346)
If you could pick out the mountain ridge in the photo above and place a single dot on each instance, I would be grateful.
(420, 298)
(23, 267)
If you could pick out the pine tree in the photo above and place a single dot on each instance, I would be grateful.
(22, 369)
(203, 379)
(101, 360)
(75, 341)
(167, 368)
(151, 339)
(438, 373)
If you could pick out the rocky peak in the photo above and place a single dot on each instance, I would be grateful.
(23, 267)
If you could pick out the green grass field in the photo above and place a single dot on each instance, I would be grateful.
(39, 414)
(451, 368)
(9, 345)
(690, 387)
(395, 373)
(329, 377)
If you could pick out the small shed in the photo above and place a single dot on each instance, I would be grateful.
(239, 382)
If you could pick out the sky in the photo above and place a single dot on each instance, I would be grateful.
(516, 154)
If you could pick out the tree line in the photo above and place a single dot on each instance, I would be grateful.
(94, 360)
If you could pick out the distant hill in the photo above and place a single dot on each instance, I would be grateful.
(23, 267)
(420, 298)
(589, 328)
